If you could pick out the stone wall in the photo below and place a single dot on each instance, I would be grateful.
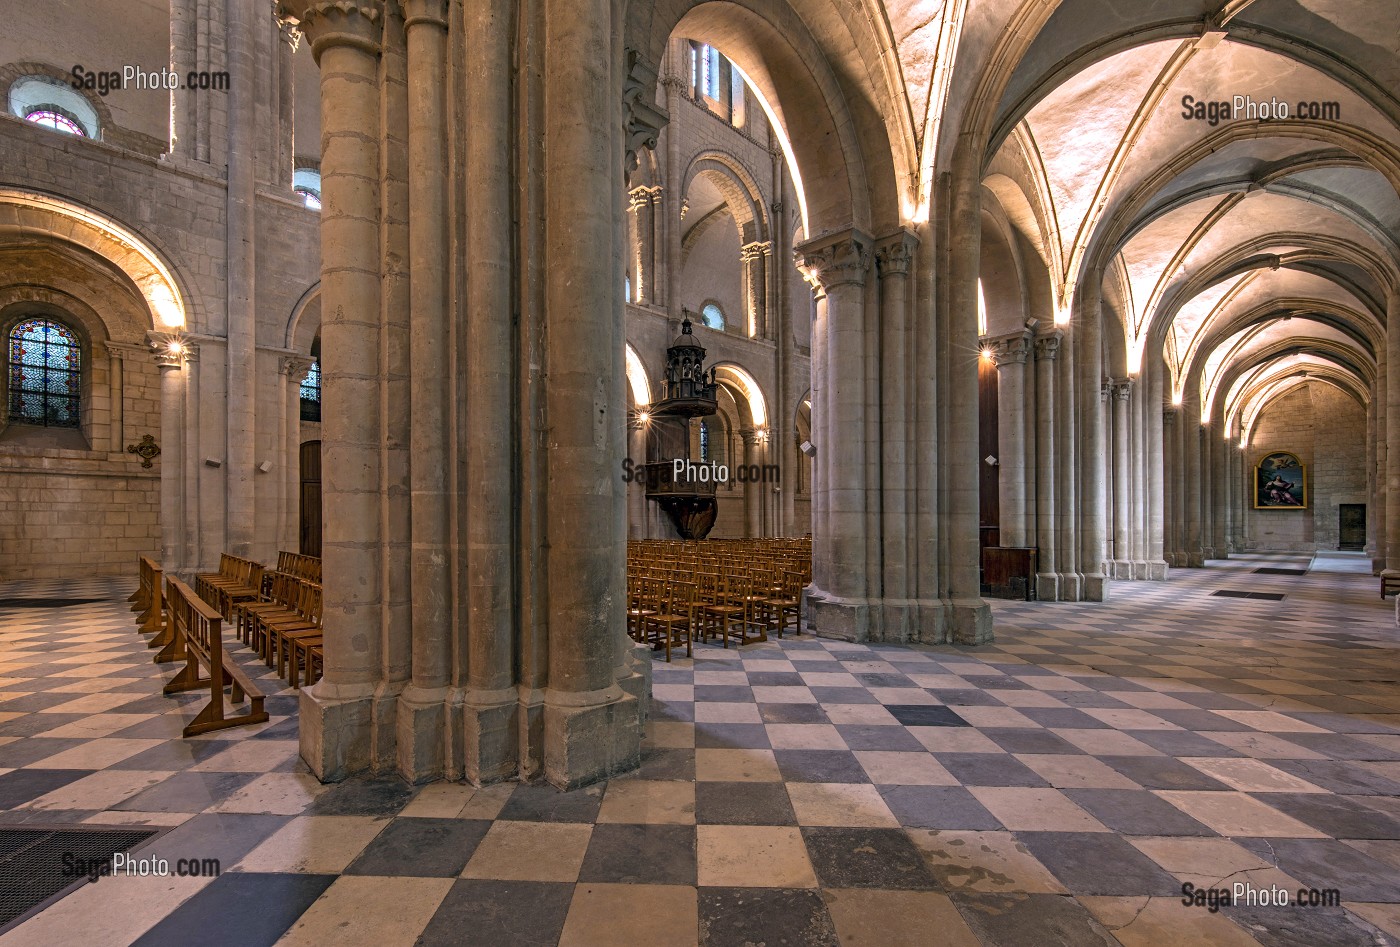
(1326, 429)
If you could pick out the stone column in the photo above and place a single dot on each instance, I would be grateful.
(1122, 392)
(642, 207)
(1219, 492)
(1380, 398)
(337, 712)
(1009, 354)
(1047, 580)
(752, 500)
(840, 607)
(1066, 490)
(1093, 450)
(172, 437)
(420, 720)
(285, 150)
(241, 277)
(656, 264)
(971, 617)
(1154, 482)
(673, 84)
(1139, 515)
(1191, 482)
(754, 258)
(294, 369)
(592, 727)
(893, 256)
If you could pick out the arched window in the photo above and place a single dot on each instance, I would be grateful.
(53, 104)
(46, 374)
(307, 183)
(704, 443)
(311, 394)
(713, 316)
(627, 289)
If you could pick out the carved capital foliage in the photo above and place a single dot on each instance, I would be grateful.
(836, 261)
(1011, 349)
(643, 196)
(126, 350)
(327, 23)
(642, 117)
(755, 251)
(894, 255)
(1123, 389)
(1047, 347)
(294, 367)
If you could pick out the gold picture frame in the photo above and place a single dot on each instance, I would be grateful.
(1280, 482)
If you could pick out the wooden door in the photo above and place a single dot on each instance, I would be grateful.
(1351, 525)
(311, 498)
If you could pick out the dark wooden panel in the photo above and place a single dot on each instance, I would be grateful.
(989, 506)
(1008, 572)
(311, 498)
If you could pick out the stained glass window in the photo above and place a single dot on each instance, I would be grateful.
(704, 442)
(46, 374)
(713, 316)
(311, 394)
(51, 119)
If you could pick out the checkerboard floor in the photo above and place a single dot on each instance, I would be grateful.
(1056, 787)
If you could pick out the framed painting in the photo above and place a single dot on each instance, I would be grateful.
(1280, 482)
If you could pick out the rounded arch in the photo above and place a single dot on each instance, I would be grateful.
(738, 187)
(304, 323)
(746, 391)
(638, 385)
(29, 214)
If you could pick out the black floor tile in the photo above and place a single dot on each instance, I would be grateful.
(422, 848)
(876, 737)
(867, 858)
(772, 916)
(921, 715)
(641, 854)
(743, 803)
(544, 803)
(187, 792)
(1136, 812)
(1328, 863)
(1339, 816)
(731, 736)
(25, 785)
(239, 910)
(1339, 776)
(1030, 740)
(377, 797)
(667, 763)
(518, 913)
(938, 807)
(1031, 920)
(1163, 772)
(820, 766)
(1099, 863)
(792, 713)
(989, 769)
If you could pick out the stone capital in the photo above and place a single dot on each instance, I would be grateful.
(171, 351)
(1010, 349)
(754, 251)
(123, 351)
(327, 23)
(894, 254)
(1122, 388)
(427, 12)
(1047, 346)
(294, 367)
(836, 260)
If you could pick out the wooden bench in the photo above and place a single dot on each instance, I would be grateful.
(198, 638)
(148, 599)
(237, 580)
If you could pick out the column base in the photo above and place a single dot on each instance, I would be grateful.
(1071, 585)
(971, 621)
(842, 619)
(1157, 570)
(588, 737)
(1196, 560)
(1122, 569)
(1096, 588)
(1047, 586)
(421, 729)
(490, 735)
(336, 725)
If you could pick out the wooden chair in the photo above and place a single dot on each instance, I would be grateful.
(673, 618)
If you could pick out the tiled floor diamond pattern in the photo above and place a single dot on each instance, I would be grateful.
(1057, 787)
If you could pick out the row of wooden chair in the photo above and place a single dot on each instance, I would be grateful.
(237, 580)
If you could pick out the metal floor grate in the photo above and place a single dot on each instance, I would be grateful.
(1275, 570)
(46, 602)
(40, 864)
(1264, 596)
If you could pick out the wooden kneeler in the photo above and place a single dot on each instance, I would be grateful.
(198, 638)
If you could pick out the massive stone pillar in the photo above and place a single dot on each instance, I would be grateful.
(753, 502)
(893, 257)
(337, 713)
(839, 605)
(422, 705)
(1071, 581)
(241, 314)
(1122, 392)
(1009, 355)
(1392, 433)
(1047, 580)
(592, 727)
(1380, 474)
(1092, 452)
(971, 616)
(1219, 491)
(672, 197)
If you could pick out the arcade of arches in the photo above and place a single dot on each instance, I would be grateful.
(1059, 300)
